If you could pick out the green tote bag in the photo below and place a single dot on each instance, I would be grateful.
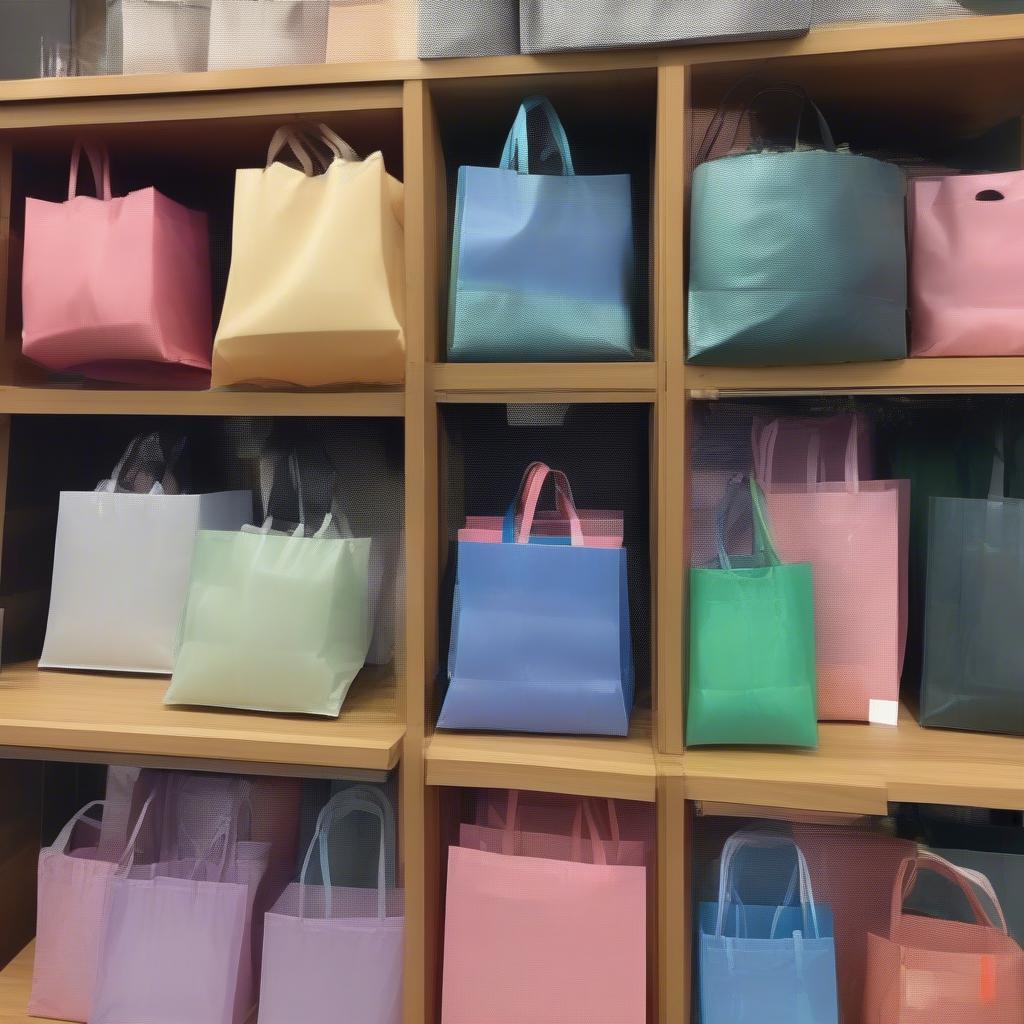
(752, 673)
(796, 256)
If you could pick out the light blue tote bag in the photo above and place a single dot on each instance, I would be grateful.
(796, 256)
(540, 640)
(542, 264)
(768, 962)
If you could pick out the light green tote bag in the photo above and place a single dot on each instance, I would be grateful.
(752, 673)
(273, 622)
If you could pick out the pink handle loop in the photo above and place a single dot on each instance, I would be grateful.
(539, 474)
(764, 454)
(584, 807)
(99, 161)
(906, 878)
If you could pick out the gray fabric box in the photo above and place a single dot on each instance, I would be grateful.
(24, 26)
(468, 28)
(547, 26)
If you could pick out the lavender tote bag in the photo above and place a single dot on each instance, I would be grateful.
(176, 937)
(333, 954)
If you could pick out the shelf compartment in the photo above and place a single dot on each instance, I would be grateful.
(124, 716)
(523, 382)
(1002, 374)
(579, 765)
(861, 768)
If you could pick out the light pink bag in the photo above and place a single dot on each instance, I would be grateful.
(966, 265)
(793, 441)
(117, 288)
(598, 529)
(176, 939)
(545, 941)
(925, 970)
(335, 954)
(510, 839)
(71, 897)
(855, 534)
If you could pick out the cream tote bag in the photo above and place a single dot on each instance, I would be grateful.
(316, 291)
(267, 33)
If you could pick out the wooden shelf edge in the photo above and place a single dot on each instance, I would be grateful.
(70, 401)
(15, 986)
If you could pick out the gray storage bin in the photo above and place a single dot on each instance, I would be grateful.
(468, 28)
(832, 12)
(25, 25)
(547, 26)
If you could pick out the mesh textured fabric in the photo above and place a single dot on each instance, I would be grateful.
(603, 451)
(468, 28)
(360, 30)
(547, 26)
(831, 12)
(267, 33)
(164, 36)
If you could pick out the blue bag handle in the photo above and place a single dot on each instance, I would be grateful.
(516, 154)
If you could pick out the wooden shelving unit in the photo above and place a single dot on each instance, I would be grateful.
(966, 73)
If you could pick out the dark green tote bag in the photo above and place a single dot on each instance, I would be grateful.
(752, 673)
(796, 256)
(973, 672)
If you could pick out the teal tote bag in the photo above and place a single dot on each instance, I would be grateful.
(796, 256)
(752, 670)
(542, 264)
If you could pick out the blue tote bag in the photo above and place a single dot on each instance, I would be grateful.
(542, 264)
(540, 637)
(768, 962)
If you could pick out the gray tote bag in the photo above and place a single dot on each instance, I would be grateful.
(547, 26)
(468, 28)
(973, 672)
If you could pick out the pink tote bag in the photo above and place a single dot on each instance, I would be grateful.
(72, 893)
(925, 970)
(966, 265)
(334, 954)
(598, 529)
(855, 534)
(542, 940)
(510, 839)
(117, 287)
(176, 938)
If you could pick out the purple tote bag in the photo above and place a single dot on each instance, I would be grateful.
(176, 943)
(332, 954)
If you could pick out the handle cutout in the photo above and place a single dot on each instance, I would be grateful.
(989, 195)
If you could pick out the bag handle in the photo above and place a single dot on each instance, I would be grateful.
(728, 890)
(60, 844)
(516, 154)
(228, 827)
(302, 139)
(583, 810)
(997, 484)
(763, 544)
(906, 878)
(99, 162)
(714, 130)
(336, 810)
(537, 475)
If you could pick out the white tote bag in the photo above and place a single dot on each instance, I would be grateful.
(164, 36)
(267, 33)
(120, 575)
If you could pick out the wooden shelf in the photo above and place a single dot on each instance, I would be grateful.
(902, 376)
(89, 401)
(15, 986)
(860, 768)
(544, 382)
(583, 765)
(123, 716)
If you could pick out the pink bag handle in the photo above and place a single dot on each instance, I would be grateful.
(60, 844)
(764, 455)
(583, 809)
(906, 877)
(99, 161)
(539, 474)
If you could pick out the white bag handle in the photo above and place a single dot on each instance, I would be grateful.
(303, 140)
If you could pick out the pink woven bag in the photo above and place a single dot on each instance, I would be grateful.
(117, 287)
(855, 534)
(966, 265)
(927, 970)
